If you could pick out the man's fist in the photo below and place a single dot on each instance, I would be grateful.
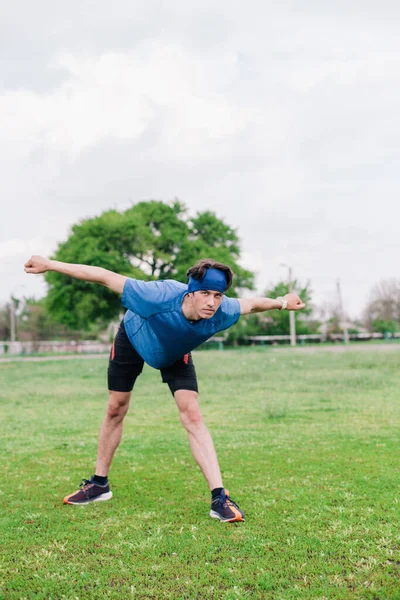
(293, 302)
(37, 264)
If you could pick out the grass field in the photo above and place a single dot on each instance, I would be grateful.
(309, 448)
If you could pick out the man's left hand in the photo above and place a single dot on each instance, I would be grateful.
(293, 302)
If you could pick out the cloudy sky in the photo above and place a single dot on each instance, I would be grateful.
(282, 117)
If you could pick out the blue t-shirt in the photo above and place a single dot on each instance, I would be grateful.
(157, 327)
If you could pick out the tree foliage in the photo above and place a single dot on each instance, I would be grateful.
(276, 322)
(150, 240)
(382, 326)
(382, 313)
(34, 323)
(5, 320)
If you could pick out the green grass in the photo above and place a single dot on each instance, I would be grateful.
(308, 445)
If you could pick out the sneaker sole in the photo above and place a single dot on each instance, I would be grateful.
(100, 498)
(215, 515)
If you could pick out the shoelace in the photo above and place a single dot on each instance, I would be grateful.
(226, 500)
(85, 484)
(230, 502)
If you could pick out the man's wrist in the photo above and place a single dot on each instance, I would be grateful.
(283, 302)
(51, 265)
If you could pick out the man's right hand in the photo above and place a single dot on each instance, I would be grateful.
(114, 281)
(37, 264)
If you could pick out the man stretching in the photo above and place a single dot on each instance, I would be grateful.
(164, 322)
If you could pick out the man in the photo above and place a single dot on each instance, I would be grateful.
(164, 322)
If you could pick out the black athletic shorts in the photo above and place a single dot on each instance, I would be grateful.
(126, 364)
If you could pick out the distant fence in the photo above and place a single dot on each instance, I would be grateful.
(94, 347)
(315, 338)
(319, 338)
(49, 347)
(70, 347)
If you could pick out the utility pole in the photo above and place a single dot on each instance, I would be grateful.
(12, 320)
(292, 321)
(14, 302)
(343, 322)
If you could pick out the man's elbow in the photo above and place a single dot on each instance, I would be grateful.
(115, 282)
(252, 307)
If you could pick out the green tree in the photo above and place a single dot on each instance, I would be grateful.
(34, 323)
(278, 323)
(381, 326)
(275, 322)
(382, 313)
(5, 322)
(150, 240)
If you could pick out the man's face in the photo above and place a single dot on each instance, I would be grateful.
(206, 303)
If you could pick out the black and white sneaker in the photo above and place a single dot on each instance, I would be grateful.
(89, 491)
(225, 509)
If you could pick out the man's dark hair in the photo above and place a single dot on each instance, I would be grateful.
(199, 270)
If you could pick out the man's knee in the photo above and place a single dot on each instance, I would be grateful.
(191, 418)
(189, 410)
(118, 404)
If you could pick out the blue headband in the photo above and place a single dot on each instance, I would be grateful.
(214, 279)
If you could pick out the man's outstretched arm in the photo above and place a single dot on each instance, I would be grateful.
(114, 281)
(253, 305)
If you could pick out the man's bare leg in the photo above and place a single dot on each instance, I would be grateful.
(111, 430)
(200, 440)
(110, 436)
(202, 447)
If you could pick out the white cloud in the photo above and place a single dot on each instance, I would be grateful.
(118, 95)
(18, 248)
(281, 118)
(12, 248)
(13, 255)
